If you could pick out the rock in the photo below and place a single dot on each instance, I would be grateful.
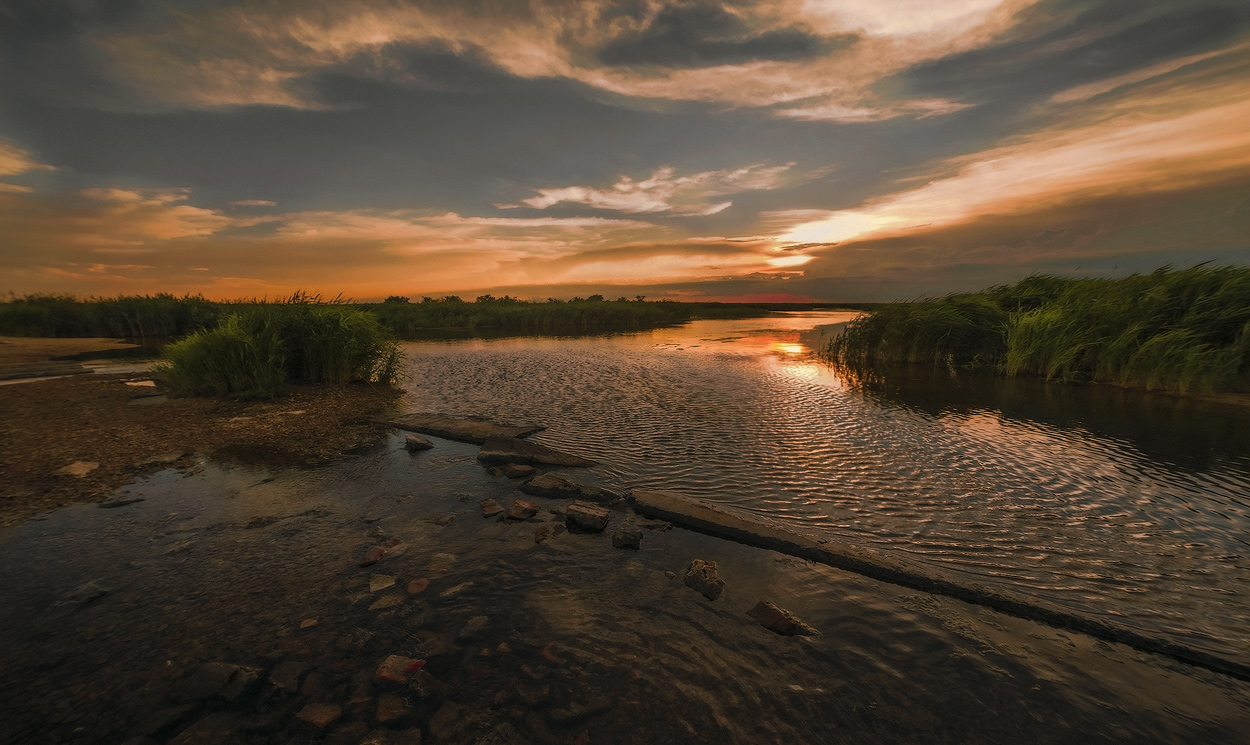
(391, 737)
(555, 486)
(657, 525)
(314, 686)
(456, 590)
(380, 582)
(587, 517)
(670, 574)
(627, 538)
(533, 694)
(316, 717)
(517, 470)
(285, 676)
(443, 519)
(308, 623)
(580, 710)
(418, 586)
(490, 508)
(115, 503)
(472, 627)
(446, 723)
(503, 734)
(701, 575)
(78, 468)
(396, 669)
(387, 601)
(780, 620)
(522, 510)
(373, 556)
(217, 680)
(391, 709)
(476, 430)
(416, 443)
(87, 592)
(163, 721)
(219, 727)
(513, 450)
(350, 733)
(425, 685)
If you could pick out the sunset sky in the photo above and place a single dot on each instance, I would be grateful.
(690, 149)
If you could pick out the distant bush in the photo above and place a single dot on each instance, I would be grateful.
(257, 351)
(1186, 330)
(130, 316)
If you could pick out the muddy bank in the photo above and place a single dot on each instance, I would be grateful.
(77, 439)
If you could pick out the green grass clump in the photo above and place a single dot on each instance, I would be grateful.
(1186, 330)
(259, 350)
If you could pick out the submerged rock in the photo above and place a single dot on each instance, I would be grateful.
(513, 450)
(780, 620)
(217, 680)
(471, 429)
(587, 517)
(555, 486)
(503, 734)
(701, 575)
(317, 717)
(217, 728)
(517, 470)
(396, 669)
(522, 510)
(416, 443)
(447, 721)
(627, 538)
(380, 582)
(490, 508)
(391, 709)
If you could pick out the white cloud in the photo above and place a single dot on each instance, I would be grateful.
(664, 191)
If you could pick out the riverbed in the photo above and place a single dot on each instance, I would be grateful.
(1099, 500)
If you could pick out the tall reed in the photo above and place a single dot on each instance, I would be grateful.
(1180, 330)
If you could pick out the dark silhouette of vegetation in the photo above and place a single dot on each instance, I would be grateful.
(1178, 330)
(258, 350)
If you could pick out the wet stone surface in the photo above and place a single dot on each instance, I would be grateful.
(496, 639)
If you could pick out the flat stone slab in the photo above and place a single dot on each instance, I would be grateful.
(476, 430)
(555, 486)
(586, 517)
(514, 450)
(780, 620)
(708, 518)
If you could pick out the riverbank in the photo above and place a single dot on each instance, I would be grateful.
(77, 439)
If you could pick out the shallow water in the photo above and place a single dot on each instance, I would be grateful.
(108, 613)
(1094, 499)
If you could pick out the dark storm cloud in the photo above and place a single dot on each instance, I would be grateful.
(1105, 40)
(704, 33)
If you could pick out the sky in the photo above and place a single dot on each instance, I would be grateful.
(834, 150)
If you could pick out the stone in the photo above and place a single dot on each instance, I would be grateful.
(387, 601)
(391, 709)
(490, 508)
(668, 574)
(476, 430)
(217, 680)
(457, 589)
(286, 675)
(373, 556)
(416, 443)
(219, 727)
(308, 623)
(418, 586)
(425, 685)
(443, 519)
(780, 620)
(533, 694)
(627, 538)
(555, 486)
(447, 721)
(396, 669)
(115, 503)
(503, 734)
(701, 575)
(517, 470)
(164, 720)
(78, 469)
(522, 510)
(380, 582)
(587, 517)
(472, 628)
(392, 737)
(350, 733)
(316, 717)
(576, 710)
(513, 450)
(657, 525)
(542, 533)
